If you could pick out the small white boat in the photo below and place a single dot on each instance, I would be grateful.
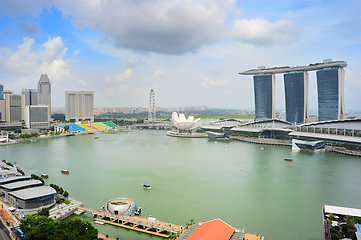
(44, 175)
(262, 148)
(146, 186)
(65, 171)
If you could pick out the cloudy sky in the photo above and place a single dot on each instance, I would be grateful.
(188, 51)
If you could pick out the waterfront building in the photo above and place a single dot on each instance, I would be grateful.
(44, 92)
(14, 107)
(79, 105)
(31, 96)
(121, 206)
(216, 230)
(296, 95)
(7, 171)
(37, 116)
(330, 86)
(264, 93)
(184, 125)
(308, 145)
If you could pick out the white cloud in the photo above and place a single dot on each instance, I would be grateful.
(158, 73)
(164, 26)
(29, 61)
(263, 32)
(83, 83)
(133, 62)
(209, 83)
(120, 78)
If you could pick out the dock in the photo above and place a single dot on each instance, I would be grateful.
(150, 226)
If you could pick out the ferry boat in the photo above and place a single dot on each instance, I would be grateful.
(65, 171)
(146, 186)
(44, 175)
(288, 159)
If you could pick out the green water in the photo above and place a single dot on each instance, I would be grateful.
(197, 179)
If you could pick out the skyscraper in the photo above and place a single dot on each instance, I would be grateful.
(14, 107)
(36, 116)
(330, 88)
(296, 96)
(44, 92)
(31, 96)
(1, 92)
(79, 105)
(264, 94)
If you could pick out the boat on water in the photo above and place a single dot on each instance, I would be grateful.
(44, 175)
(96, 137)
(288, 159)
(65, 171)
(146, 186)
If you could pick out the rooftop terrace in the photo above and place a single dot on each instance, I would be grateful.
(327, 63)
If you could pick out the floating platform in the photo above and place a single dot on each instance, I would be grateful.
(149, 225)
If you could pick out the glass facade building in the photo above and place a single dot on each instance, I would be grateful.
(296, 96)
(264, 94)
(330, 82)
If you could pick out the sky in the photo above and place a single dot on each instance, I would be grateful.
(190, 52)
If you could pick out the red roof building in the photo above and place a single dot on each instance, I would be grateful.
(213, 230)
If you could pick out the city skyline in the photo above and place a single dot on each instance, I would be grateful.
(189, 52)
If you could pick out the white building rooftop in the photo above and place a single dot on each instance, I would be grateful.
(19, 184)
(30, 193)
(13, 179)
(342, 210)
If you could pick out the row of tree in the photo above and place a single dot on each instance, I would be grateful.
(59, 190)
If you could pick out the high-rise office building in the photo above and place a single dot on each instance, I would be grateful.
(79, 105)
(2, 110)
(1, 92)
(44, 92)
(330, 88)
(31, 96)
(36, 116)
(14, 107)
(264, 94)
(296, 96)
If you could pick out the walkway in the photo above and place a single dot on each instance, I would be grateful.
(146, 225)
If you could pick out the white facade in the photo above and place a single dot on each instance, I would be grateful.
(37, 116)
(44, 92)
(79, 105)
(2, 111)
(14, 107)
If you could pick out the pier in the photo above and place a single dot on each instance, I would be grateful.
(149, 225)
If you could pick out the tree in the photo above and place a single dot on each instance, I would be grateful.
(44, 212)
(66, 128)
(65, 194)
(45, 228)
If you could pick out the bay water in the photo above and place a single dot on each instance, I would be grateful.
(198, 179)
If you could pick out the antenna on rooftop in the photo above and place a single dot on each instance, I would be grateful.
(151, 111)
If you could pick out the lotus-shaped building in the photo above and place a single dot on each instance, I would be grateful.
(183, 124)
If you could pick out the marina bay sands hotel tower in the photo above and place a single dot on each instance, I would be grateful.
(330, 88)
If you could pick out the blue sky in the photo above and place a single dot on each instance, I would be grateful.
(189, 52)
